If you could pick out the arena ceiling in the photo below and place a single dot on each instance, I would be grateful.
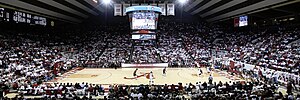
(217, 10)
(75, 11)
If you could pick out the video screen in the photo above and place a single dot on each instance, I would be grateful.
(243, 21)
(143, 36)
(143, 20)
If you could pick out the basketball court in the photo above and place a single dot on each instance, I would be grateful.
(125, 76)
(107, 77)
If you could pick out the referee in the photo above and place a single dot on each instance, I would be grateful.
(210, 79)
(164, 71)
(134, 73)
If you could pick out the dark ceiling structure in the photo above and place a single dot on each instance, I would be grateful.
(218, 10)
(75, 11)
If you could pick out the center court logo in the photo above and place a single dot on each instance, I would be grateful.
(147, 75)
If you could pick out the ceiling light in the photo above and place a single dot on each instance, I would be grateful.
(182, 1)
(106, 1)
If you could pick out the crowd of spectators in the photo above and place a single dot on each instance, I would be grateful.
(88, 53)
(273, 52)
(27, 62)
(118, 50)
(144, 54)
(172, 50)
(199, 90)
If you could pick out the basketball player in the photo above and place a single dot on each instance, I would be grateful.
(199, 72)
(164, 71)
(151, 78)
(208, 69)
(134, 73)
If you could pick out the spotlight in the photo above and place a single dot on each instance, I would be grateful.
(106, 1)
(96, 1)
(182, 1)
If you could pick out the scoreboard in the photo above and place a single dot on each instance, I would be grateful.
(8, 15)
(4, 16)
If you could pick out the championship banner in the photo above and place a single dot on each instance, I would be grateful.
(117, 9)
(163, 8)
(171, 9)
(154, 65)
(236, 22)
(124, 8)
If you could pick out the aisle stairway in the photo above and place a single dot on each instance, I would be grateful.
(131, 53)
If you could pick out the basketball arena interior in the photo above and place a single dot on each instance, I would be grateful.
(149, 49)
